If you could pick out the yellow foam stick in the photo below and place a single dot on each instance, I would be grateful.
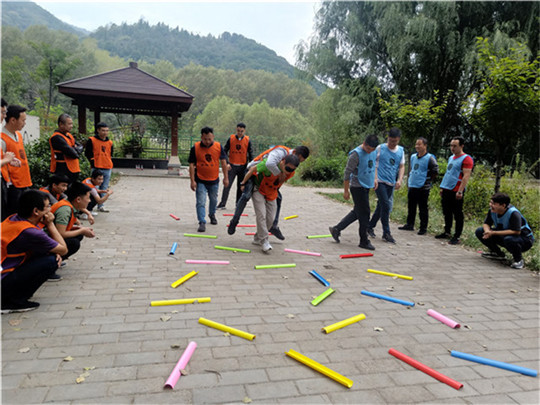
(184, 279)
(320, 368)
(342, 324)
(179, 302)
(384, 273)
(291, 217)
(225, 328)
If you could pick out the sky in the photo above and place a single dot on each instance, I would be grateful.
(278, 25)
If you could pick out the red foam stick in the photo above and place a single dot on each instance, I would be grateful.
(355, 255)
(174, 217)
(232, 215)
(422, 367)
(253, 233)
(245, 226)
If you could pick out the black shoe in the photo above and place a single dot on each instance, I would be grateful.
(202, 227)
(213, 219)
(335, 233)
(388, 238)
(494, 255)
(366, 245)
(443, 235)
(371, 232)
(19, 307)
(232, 227)
(221, 206)
(453, 241)
(277, 233)
(422, 231)
(54, 277)
(407, 227)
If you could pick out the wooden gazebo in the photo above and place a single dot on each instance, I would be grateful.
(128, 91)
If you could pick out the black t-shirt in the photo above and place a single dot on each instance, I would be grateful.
(514, 224)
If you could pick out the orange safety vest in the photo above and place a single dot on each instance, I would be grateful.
(5, 171)
(11, 231)
(88, 182)
(46, 190)
(71, 163)
(270, 185)
(238, 150)
(267, 152)
(102, 153)
(63, 203)
(207, 161)
(19, 176)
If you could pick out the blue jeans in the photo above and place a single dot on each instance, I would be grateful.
(106, 179)
(200, 194)
(385, 196)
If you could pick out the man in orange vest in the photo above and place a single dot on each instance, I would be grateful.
(29, 256)
(65, 150)
(58, 184)
(240, 151)
(97, 196)
(204, 160)
(99, 150)
(17, 177)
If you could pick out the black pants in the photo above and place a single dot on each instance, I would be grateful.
(92, 203)
(246, 196)
(237, 172)
(73, 245)
(13, 195)
(359, 212)
(515, 244)
(452, 209)
(418, 197)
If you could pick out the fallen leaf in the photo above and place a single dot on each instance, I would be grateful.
(131, 289)
(79, 307)
(14, 322)
(85, 374)
(377, 329)
(290, 316)
(183, 372)
(395, 277)
(24, 350)
(467, 327)
(226, 334)
(529, 289)
(165, 318)
(420, 303)
(174, 312)
(44, 331)
(68, 358)
(16, 329)
(513, 291)
(285, 277)
(175, 346)
(470, 292)
(89, 368)
(246, 400)
(124, 252)
(389, 288)
(79, 380)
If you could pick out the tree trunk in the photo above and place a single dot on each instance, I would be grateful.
(498, 167)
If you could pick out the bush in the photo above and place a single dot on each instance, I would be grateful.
(323, 169)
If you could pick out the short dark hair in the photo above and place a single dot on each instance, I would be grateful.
(29, 200)
(394, 133)
(302, 151)
(372, 141)
(58, 178)
(241, 125)
(207, 130)
(14, 111)
(77, 189)
(501, 198)
(4, 103)
(101, 125)
(96, 173)
(292, 160)
(460, 139)
(63, 118)
(421, 138)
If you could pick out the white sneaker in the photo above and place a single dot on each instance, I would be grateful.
(84, 216)
(517, 265)
(256, 243)
(94, 214)
(266, 247)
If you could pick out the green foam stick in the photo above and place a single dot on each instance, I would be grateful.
(318, 236)
(194, 235)
(275, 266)
(232, 249)
(322, 297)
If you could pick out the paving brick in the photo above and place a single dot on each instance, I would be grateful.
(24, 395)
(77, 392)
(274, 389)
(226, 394)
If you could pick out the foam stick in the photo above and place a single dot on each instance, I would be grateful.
(322, 297)
(387, 298)
(253, 233)
(184, 279)
(429, 371)
(355, 255)
(232, 249)
(232, 215)
(179, 302)
(343, 323)
(318, 236)
(173, 249)
(245, 226)
(174, 217)
(495, 363)
(320, 278)
(189, 261)
(225, 328)
(275, 266)
(290, 217)
(443, 319)
(194, 235)
(384, 273)
(302, 252)
(182, 363)
(320, 368)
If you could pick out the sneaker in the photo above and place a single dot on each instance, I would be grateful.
(232, 227)
(83, 216)
(518, 265)
(422, 231)
(494, 255)
(453, 241)
(255, 242)
(366, 245)
(444, 235)
(371, 232)
(277, 233)
(64, 263)
(335, 233)
(202, 227)
(213, 219)
(406, 228)
(388, 238)
(266, 247)
(103, 209)
(19, 307)
(54, 277)
(94, 214)
(221, 207)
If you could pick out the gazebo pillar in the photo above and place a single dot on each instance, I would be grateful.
(174, 166)
(82, 118)
(97, 116)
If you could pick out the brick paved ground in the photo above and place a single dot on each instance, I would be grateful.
(101, 317)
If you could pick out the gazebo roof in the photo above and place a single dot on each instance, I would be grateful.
(129, 90)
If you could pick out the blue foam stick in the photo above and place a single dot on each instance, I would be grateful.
(387, 298)
(319, 278)
(173, 249)
(494, 363)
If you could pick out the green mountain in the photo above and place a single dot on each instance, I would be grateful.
(23, 14)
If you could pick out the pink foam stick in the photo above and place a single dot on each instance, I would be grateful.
(182, 363)
(232, 215)
(207, 261)
(253, 233)
(302, 252)
(174, 217)
(443, 319)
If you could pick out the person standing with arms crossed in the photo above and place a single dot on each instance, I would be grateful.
(99, 151)
(65, 150)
